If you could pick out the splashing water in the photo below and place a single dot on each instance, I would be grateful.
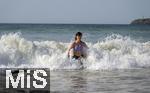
(114, 52)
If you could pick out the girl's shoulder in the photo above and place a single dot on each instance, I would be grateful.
(73, 43)
(84, 44)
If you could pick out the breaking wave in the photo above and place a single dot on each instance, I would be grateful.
(114, 52)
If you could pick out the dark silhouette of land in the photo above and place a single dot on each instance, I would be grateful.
(141, 21)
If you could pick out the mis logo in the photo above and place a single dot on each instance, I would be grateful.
(26, 79)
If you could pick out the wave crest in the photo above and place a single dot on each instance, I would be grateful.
(114, 52)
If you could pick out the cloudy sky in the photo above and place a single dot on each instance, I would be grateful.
(73, 11)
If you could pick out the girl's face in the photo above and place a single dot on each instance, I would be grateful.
(78, 37)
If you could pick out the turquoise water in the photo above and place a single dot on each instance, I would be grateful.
(118, 56)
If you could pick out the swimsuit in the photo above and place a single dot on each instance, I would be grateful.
(78, 48)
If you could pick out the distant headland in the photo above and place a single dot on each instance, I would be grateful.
(141, 21)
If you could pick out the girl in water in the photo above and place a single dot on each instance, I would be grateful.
(78, 47)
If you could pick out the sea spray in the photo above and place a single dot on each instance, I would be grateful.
(114, 52)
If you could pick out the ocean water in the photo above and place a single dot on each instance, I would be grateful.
(118, 55)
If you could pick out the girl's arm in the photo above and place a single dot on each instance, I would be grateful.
(70, 47)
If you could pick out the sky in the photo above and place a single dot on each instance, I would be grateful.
(73, 11)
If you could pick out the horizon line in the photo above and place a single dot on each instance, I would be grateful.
(73, 23)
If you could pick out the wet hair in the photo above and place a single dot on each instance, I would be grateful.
(78, 34)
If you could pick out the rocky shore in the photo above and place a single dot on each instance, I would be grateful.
(141, 21)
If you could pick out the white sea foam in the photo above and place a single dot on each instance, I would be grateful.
(114, 52)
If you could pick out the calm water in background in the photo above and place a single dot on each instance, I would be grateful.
(93, 33)
(119, 63)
